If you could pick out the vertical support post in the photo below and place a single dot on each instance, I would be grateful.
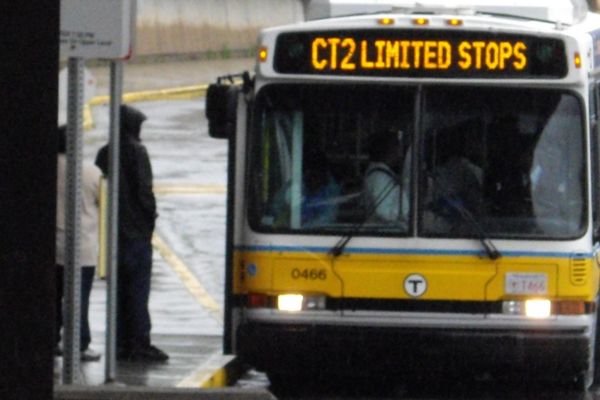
(296, 189)
(228, 323)
(116, 92)
(72, 275)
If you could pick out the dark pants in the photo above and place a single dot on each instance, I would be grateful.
(87, 279)
(134, 275)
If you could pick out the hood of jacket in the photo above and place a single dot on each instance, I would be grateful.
(131, 122)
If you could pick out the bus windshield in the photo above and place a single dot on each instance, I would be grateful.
(436, 161)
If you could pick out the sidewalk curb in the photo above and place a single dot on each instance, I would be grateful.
(219, 371)
(157, 393)
(180, 93)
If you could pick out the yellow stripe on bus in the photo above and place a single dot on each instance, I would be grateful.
(449, 277)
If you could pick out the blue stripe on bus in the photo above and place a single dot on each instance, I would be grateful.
(444, 252)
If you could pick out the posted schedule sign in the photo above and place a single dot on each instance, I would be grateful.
(101, 29)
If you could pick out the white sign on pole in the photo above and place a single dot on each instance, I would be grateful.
(100, 29)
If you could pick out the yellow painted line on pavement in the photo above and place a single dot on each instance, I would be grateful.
(159, 190)
(192, 284)
(180, 93)
(166, 189)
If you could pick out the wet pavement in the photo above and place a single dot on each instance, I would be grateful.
(180, 327)
(172, 74)
(187, 283)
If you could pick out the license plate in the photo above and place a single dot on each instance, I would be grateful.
(526, 283)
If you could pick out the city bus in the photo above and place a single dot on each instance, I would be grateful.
(415, 186)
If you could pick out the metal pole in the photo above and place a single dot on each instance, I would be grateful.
(72, 275)
(116, 92)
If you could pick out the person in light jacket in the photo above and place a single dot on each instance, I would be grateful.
(386, 198)
(90, 181)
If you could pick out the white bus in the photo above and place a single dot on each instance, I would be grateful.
(416, 185)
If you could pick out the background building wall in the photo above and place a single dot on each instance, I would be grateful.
(219, 27)
(213, 28)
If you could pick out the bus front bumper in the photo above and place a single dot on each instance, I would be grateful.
(299, 347)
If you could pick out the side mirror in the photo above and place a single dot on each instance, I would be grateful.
(221, 110)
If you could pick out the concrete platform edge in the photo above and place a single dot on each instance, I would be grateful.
(146, 393)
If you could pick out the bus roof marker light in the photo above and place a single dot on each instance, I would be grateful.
(386, 21)
(420, 21)
(577, 59)
(454, 22)
(262, 54)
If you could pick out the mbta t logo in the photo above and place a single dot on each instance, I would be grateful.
(415, 285)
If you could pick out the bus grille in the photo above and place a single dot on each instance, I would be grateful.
(579, 271)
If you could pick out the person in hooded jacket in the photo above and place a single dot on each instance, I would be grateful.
(137, 215)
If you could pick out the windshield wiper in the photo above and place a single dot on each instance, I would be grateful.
(492, 252)
(467, 216)
(339, 247)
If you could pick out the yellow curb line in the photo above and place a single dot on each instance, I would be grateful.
(185, 92)
(181, 93)
(192, 284)
(166, 189)
(211, 374)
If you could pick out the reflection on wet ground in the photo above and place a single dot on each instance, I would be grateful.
(481, 387)
(433, 390)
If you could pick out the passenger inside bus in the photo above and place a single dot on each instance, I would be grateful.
(319, 194)
(511, 156)
(382, 185)
(320, 191)
(454, 188)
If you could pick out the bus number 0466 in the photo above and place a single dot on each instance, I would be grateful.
(311, 274)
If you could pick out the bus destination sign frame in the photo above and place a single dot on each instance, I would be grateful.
(420, 53)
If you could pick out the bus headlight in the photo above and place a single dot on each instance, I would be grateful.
(299, 302)
(532, 308)
(290, 302)
(538, 308)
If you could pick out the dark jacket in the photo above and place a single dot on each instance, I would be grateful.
(137, 205)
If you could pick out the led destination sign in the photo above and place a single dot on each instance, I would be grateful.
(409, 53)
(346, 54)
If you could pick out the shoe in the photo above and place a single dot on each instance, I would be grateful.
(90, 355)
(145, 353)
